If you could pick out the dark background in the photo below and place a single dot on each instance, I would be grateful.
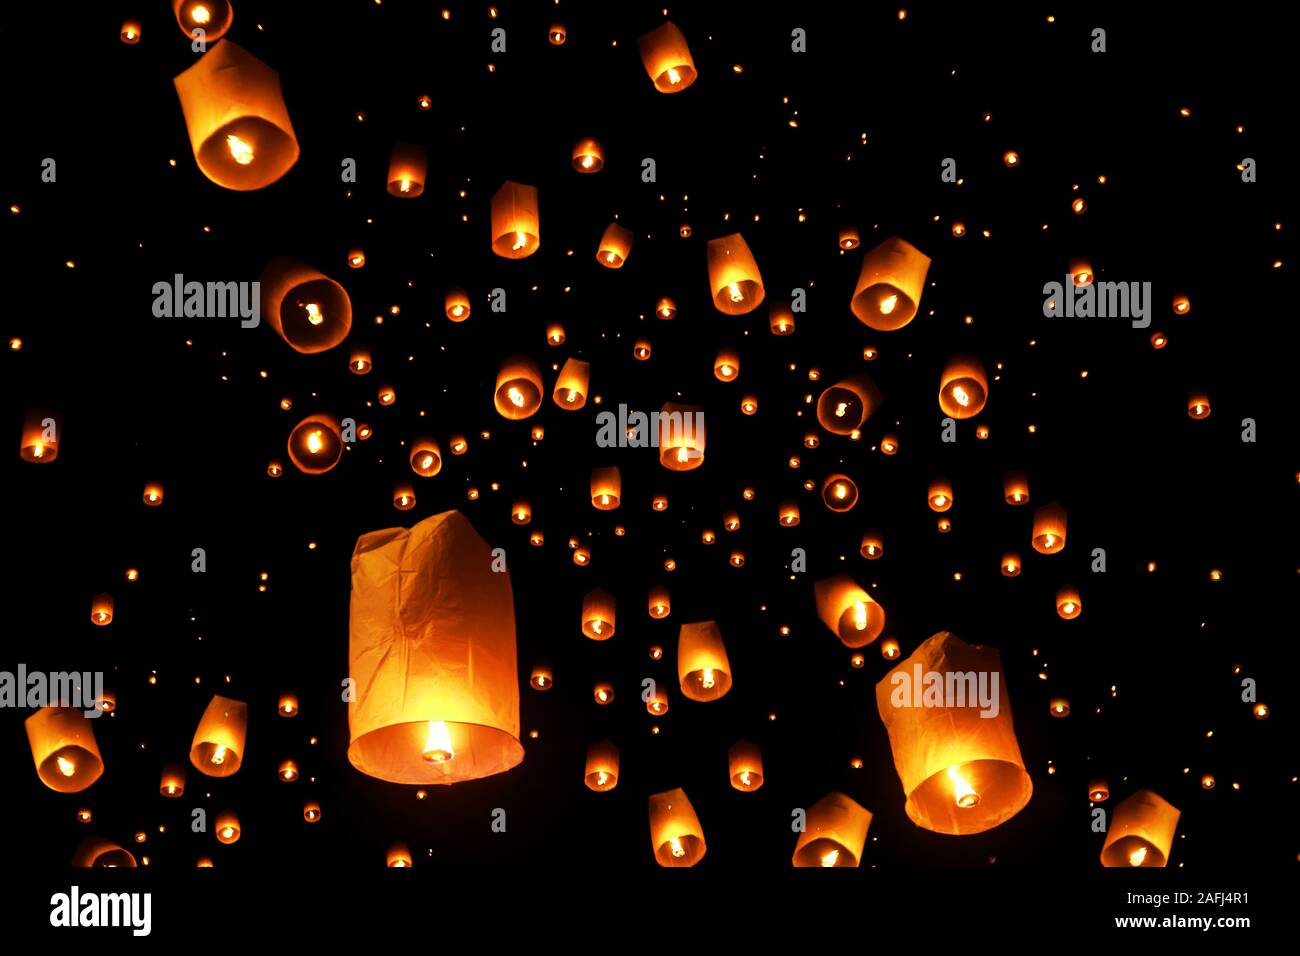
(184, 402)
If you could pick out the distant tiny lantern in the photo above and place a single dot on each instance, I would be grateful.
(963, 387)
(681, 436)
(667, 58)
(557, 34)
(745, 765)
(571, 387)
(403, 496)
(1141, 831)
(961, 769)
(665, 308)
(288, 706)
(940, 494)
(602, 767)
(1081, 272)
(63, 748)
(173, 781)
(788, 514)
(96, 851)
(1015, 488)
(1098, 790)
(656, 702)
(218, 746)
(40, 437)
(360, 363)
(153, 494)
(1011, 158)
(1058, 707)
(734, 278)
(356, 258)
(519, 388)
(615, 245)
(598, 614)
(1049, 528)
(641, 350)
(849, 238)
(1068, 604)
(130, 32)
(702, 665)
(873, 545)
(208, 18)
(456, 304)
(426, 457)
(521, 512)
(288, 771)
(1010, 564)
(606, 487)
(408, 166)
(834, 833)
(588, 156)
(555, 334)
(780, 318)
(658, 603)
(1182, 305)
(515, 224)
(305, 307)
(675, 833)
(888, 291)
(101, 609)
(603, 693)
(1198, 405)
(889, 648)
(839, 493)
(398, 856)
(726, 365)
(386, 395)
(849, 611)
(845, 406)
(541, 677)
(889, 445)
(311, 812)
(316, 444)
(239, 126)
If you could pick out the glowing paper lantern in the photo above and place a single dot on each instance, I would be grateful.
(734, 278)
(961, 771)
(426, 457)
(665, 308)
(130, 32)
(356, 257)
(849, 611)
(1098, 790)
(432, 651)
(658, 603)
(101, 609)
(457, 306)
(1010, 564)
(228, 827)
(606, 486)
(238, 124)
(207, 18)
(834, 833)
(788, 514)
(40, 437)
(311, 812)
(656, 702)
(399, 855)
(667, 58)
(305, 307)
(218, 746)
(515, 225)
(726, 365)
(407, 168)
(839, 492)
(1015, 488)
(745, 766)
(603, 693)
(702, 665)
(1081, 272)
(675, 833)
(598, 615)
(963, 387)
(403, 496)
(1049, 528)
(1068, 604)
(615, 245)
(571, 387)
(849, 238)
(681, 437)
(940, 494)
(519, 388)
(316, 444)
(843, 407)
(780, 318)
(521, 512)
(172, 783)
(602, 767)
(541, 678)
(1141, 831)
(64, 749)
(889, 287)
(873, 545)
(1198, 405)
(360, 363)
(153, 494)
(96, 851)
(588, 156)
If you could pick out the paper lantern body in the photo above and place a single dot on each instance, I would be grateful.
(848, 610)
(1144, 822)
(432, 651)
(602, 767)
(963, 387)
(745, 765)
(96, 851)
(681, 436)
(516, 230)
(64, 749)
(306, 308)
(571, 387)
(615, 246)
(1049, 528)
(667, 58)
(889, 287)
(734, 278)
(238, 124)
(943, 752)
(598, 614)
(316, 444)
(835, 833)
(606, 486)
(218, 747)
(40, 437)
(702, 665)
(675, 833)
(844, 406)
(214, 20)
(407, 168)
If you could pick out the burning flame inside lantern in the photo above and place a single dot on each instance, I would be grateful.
(840, 490)
(521, 240)
(66, 767)
(587, 163)
(200, 14)
(860, 615)
(516, 397)
(887, 304)
(219, 755)
(1137, 856)
(674, 78)
(315, 442)
(609, 257)
(735, 293)
(404, 186)
(314, 314)
(570, 395)
(596, 626)
(963, 792)
(706, 679)
(437, 748)
(241, 151)
(1049, 541)
(831, 858)
(744, 778)
(961, 395)
(426, 462)
(601, 777)
(227, 832)
(939, 500)
(840, 409)
(676, 843)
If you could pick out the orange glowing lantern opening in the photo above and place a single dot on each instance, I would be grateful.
(602, 767)
(598, 615)
(839, 492)
(848, 610)
(675, 833)
(1049, 529)
(745, 765)
(407, 168)
(888, 292)
(588, 156)
(734, 278)
(571, 387)
(1141, 831)
(218, 746)
(516, 232)
(702, 665)
(63, 748)
(426, 457)
(845, 406)
(316, 444)
(615, 246)
(667, 58)
(519, 388)
(306, 308)
(963, 387)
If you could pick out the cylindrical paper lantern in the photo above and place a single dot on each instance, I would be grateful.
(788, 514)
(238, 124)
(615, 245)
(603, 693)
(542, 678)
(1068, 604)
(64, 749)
(726, 365)
(606, 486)
(849, 238)
(659, 604)
(407, 169)
(571, 387)
(734, 278)
(598, 615)
(218, 746)
(780, 318)
(1015, 488)
(873, 545)
(288, 772)
(1098, 790)
(665, 308)
(602, 767)
(456, 304)
(96, 851)
(360, 362)
(153, 494)
(555, 334)
(306, 308)
(212, 17)
(745, 765)
(1081, 272)
(403, 496)
(228, 827)
(963, 387)
(959, 762)
(675, 833)
(834, 833)
(842, 408)
(1049, 528)
(399, 855)
(311, 811)
(1141, 831)
(1010, 564)
(681, 436)
(356, 257)
(40, 438)
(426, 457)
(588, 156)
(839, 492)
(432, 651)
(101, 609)
(702, 665)
(515, 225)
(849, 611)
(519, 388)
(1198, 405)
(889, 287)
(656, 703)
(667, 58)
(130, 32)
(316, 444)
(173, 781)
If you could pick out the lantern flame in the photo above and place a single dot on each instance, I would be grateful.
(200, 14)
(840, 409)
(963, 792)
(601, 778)
(66, 767)
(315, 442)
(570, 395)
(674, 78)
(961, 395)
(219, 755)
(1137, 856)
(227, 832)
(706, 679)
(516, 397)
(521, 240)
(744, 778)
(860, 615)
(841, 491)
(437, 748)
(734, 291)
(831, 858)
(888, 304)
(404, 186)
(241, 151)
(314, 314)
(587, 163)
(426, 462)
(676, 843)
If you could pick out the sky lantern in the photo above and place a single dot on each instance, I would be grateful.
(843, 407)
(598, 614)
(557, 34)
(667, 58)
(153, 494)
(658, 603)
(218, 746)
(873, 545)
(40, 437)
(745, 766)
(1010, 564)
(1198, 405)
(96, 851)
(64, 749)
(588, 156)
(356, 257)
(834, 833)
(734, 278)
(839, 492)
(1098, 790)
(606, 487)
(1015, 488)
(306, 308)
(228, 830)
(398, 856)
(1049, 528)
(519, 388)
(603, 693)
(848, 610)
(780, 318)
(316, 444)
(101, 609)
(665, 309)
(960, 766)
(432, 651)
(541, 678)
(602, 767)
(675, 833)
(1141, 831)
(571, 387)
(555, 334)
(702, 665)
(726, 365)
(1068, 605)
(456, 305)
(360, 362)
(521, 512)
(288, 705)
(407, 168)
(940, 494)
(403, 495)
(239, 127)
(889, 287)
(288, 772)
(1081, 272)
(681, 436)
(172, 783)
(130, 32)
(788, 514)
(615, 246)
(656, 702)
(426, 457)
(515, 229)
(963, 387)
(849, 238)
(311, 811)
(213, 17)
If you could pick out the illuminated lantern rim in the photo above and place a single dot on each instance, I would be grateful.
(423, 448)
(893, 268)
(332, 447)
(1143, 820)
(839, 504)
(856, 390)
(837, 598)
(524, 375)
(287, 282)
